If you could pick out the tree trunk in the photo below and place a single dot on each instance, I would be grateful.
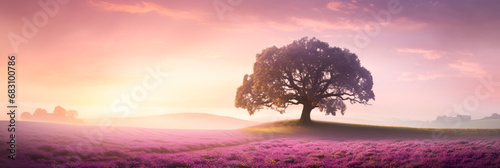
(306, 114)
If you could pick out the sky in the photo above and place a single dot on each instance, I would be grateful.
(427, 58)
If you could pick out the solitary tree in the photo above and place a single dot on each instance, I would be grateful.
(307, 72)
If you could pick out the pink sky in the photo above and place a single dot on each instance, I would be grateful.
(424, 60)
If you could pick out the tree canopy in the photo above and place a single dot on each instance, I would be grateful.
(307, 72)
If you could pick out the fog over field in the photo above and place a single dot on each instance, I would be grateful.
(178, 121)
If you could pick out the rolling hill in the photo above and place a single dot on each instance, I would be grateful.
(347, 130)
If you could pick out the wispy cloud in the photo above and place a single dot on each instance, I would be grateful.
(428, 54)
(420, 77)
(342, 7)
(468, 69)
(460, 68)
(144, 7)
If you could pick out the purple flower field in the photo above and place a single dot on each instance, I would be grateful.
(56, 145)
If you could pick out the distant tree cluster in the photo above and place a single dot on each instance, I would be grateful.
(493, 116)
(60, 115)
(449, 120)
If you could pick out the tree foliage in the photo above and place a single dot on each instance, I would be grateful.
(308, 72)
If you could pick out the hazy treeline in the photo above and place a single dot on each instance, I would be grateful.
(59, 115)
